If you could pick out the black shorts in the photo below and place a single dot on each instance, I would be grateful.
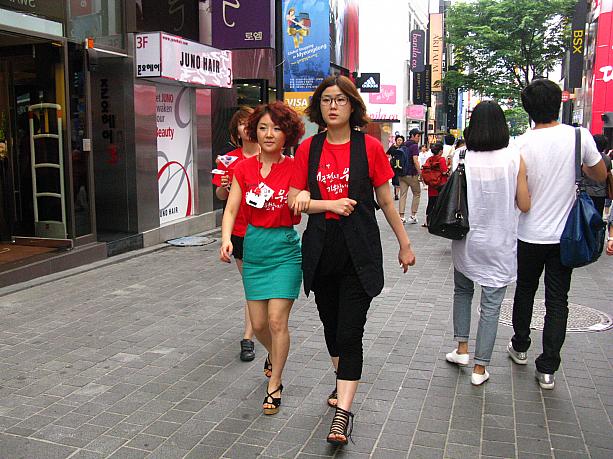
(237, 244)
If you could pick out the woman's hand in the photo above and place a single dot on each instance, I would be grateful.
(225, 251)
(301, 202)
(406, 258)
(343, 206)
(225, 182)
(609, 247)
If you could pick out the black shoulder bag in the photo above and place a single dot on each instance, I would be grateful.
(449, 218)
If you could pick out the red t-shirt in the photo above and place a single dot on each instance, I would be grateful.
(333, 172)
(275, 212)
(432, 191)
(240, 225)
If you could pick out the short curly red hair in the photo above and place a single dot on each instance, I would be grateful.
(283, 116)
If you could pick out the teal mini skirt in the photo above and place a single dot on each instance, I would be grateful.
(272, 263)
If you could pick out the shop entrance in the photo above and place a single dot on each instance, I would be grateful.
(32, 187)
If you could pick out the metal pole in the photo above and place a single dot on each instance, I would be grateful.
(279, 49)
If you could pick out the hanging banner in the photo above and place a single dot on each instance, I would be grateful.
(436, 51)
(238, 25)
(602, 99)
(159, 54)
(421, 87)
(306, 43)
(452, 108)
(418, 39)
(575, 69)
(344, 34)
(175, 157)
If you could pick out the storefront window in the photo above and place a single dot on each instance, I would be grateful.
(78, 128)
(101, 20)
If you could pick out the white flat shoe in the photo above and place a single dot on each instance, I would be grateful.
(476, 379)
(458, 359)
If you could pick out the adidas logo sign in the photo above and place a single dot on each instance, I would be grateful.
(370, 84)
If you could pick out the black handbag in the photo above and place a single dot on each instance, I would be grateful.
(582, 240)
(449, 218)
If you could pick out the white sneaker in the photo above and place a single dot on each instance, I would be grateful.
(403, 220)
(476, 379)
(412, 220)
(458, 359)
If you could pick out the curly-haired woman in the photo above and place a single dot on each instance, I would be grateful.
(272, 260)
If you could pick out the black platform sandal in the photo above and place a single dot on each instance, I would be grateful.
(342, 424)
(270, 400)
(267, 367)
(333, 397)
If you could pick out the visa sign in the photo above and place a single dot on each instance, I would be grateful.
(299, 101)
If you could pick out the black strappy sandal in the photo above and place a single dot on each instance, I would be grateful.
(342, 424)
(270, 400)
(333, 397)
(267, 367)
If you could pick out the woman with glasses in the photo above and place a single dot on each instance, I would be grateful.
(335, 173)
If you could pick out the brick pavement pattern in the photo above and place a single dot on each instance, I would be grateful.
(140, 359)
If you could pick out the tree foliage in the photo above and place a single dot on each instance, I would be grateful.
(500, 45)
(518, 121)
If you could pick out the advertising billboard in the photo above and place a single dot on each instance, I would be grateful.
(306, 46)
(238, 25)
(163, 55)
(436, 51)
(175, 157)
(344, 34)
(418, 39)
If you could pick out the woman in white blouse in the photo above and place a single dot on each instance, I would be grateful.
(497, 189)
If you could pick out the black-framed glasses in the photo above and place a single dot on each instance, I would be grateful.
(339, 100)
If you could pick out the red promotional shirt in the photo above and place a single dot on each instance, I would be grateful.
(432, 191)
(240, 226)
(333, 172)
(275, 212)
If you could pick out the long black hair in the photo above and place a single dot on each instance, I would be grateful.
(488, 129)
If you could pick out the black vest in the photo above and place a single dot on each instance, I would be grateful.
(360, 228)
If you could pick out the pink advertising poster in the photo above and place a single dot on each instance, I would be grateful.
(387, 95)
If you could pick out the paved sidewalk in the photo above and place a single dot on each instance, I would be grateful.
(140, 359)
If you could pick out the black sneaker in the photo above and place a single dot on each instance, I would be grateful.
(247, 350)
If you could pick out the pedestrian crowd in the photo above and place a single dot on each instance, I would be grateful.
(519, 196)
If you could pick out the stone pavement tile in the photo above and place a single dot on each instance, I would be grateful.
(165, 451)
(422, 452)
(125, 430)
(534, 445)
(599, 453)
(282, 450)
(562, 454)
(429, 439)
(456, 451)
(567, 443)
(464, 437)
(497, 449)
(393, 441)
(87, 454)
(532, 430)
(564, 428)
(162, 429)
(105, 444)
(243, 450)
(293, 435)
(73, 420)
(13, 447)
(500, 435)
(598, 441)
(382, 453)
(221, 439)
(523, 455)
(128, 453)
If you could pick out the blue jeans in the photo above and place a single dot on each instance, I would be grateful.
(491, 299)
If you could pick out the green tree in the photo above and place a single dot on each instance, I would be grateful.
(500, 45)
(518, 121)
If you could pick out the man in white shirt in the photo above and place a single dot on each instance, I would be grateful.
(548, 150)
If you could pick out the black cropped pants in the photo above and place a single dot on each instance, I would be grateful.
(342, 303)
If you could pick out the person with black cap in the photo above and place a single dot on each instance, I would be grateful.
(409, 178)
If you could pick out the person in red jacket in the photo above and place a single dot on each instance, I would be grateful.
(437, 150)
(222, 181)
(272, 261)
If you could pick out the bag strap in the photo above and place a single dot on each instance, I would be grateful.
(578, 174)
(461, 161)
